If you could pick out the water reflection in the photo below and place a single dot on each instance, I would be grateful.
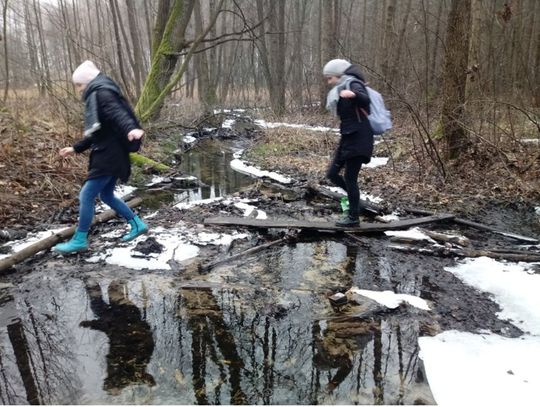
(211, 334)
(264, 333)
(131, 343)
(210, 163)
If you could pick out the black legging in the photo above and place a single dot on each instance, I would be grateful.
(350, 182)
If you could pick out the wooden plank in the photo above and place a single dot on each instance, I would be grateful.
(330, 226)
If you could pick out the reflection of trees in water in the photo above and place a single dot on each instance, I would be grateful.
(363, 356)
(131, 343)
(38, 359)
(209, 334)
(289, 359)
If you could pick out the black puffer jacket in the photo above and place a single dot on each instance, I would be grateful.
(356, 133)
(109, 145)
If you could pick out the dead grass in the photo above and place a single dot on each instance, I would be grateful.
(34, 181)
(508, 173)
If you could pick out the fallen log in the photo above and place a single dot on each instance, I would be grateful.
(141, 161)
(476, 226)
(448, 252)
(247, 252)
(446, 238)
(50, 241)
(323, 226)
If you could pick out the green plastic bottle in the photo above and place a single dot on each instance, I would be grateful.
(344, 204)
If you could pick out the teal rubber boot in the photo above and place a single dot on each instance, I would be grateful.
(78, 243)
(138, 227)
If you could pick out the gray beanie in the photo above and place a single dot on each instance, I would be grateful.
(336, 67)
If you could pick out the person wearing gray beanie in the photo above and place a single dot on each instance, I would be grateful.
(336, 67)
(349, 100)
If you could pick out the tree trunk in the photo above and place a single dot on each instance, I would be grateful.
(137, 48)
(297, 66)
(31, 44)
(388, 37)
(474, 85)
(277, 42)
(161, 82)
(455, 77)
(401, 41)
(205, 90)
(263, 50)
(6, 63)
(165, 56)
(148, 24)
(162, 16)
(46, 75)
(436, 43)
(536, 71)
(119, 54)
(327, 46)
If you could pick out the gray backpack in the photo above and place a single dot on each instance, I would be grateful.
(379, 117)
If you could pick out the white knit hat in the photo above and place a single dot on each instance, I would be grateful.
(336, 67)
(85, 73)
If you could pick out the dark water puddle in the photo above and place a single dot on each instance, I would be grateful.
(261, 332)
(209, 162)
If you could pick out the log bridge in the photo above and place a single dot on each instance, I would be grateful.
(324, 226)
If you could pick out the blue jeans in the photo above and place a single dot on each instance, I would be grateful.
(104, 187)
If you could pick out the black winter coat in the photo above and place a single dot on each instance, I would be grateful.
(109, 145)
(356, 132)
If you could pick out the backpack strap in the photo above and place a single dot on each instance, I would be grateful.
(358, 108)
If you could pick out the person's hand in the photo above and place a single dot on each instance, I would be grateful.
(66, 151)
(347, 94)
(135, 134)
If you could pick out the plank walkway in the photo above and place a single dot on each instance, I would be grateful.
(323, 226)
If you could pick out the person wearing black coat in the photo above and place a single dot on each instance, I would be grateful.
(111, 132)
(349, 100)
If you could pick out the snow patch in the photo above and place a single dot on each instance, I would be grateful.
(514, 289)
(218, 239)
(175, 248)
(390, 299)
(242, 167)
(376, 162)
(18, 245)
(389, 218)
(189, 205)
(217, 111)
(365, 197)
(489, 369)
(227, 124)
(411, 234)
(269, 125)
(481, 370)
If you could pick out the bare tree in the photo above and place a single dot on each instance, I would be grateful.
(4, 38)
(455, 76)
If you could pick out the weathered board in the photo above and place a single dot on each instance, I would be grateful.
(329, 226)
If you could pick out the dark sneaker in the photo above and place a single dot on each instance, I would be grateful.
(348, 221)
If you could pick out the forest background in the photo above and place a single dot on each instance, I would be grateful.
(461, 77)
